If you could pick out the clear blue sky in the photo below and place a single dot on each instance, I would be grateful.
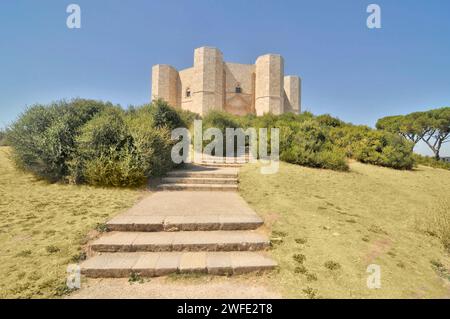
(348, 70)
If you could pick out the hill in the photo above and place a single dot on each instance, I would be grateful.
(328, 226)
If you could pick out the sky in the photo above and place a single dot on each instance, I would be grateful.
(348, 70)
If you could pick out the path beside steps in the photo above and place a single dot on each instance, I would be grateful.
(191, 230)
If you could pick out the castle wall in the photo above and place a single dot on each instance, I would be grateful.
(211, 84)
(187, 79)
(292, 89)
(208, 86)
(241, 75)
(269, 86)
(165, 84)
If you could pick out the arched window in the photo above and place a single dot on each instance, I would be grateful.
(238, 88)
(188, 92)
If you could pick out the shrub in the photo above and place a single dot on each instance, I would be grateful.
(165, 115)
(430, 161)
(221, 121)
(328, 120)
(187, 117)
(308, 144)
(332, 265)
(122, 150)
(153, 145)
(43, 136)
(94, 142)
(3, 141)
(384, 149)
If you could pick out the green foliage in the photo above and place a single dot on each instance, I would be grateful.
(432, 127)
(384, 149)
(380, 148)
(221, 121)
(308, 144)
(165, 115)
(43, 136)
(84, 141)
(116, 149)
(328, 120)
(3, 140)
(430, 161)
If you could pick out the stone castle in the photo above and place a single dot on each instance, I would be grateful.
(212, 84)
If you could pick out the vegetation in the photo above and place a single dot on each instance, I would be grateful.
(85, 141)
(44, 226)
(431, 161)
(334, 225)
(323, 141)
(3, 141)
(432, 127)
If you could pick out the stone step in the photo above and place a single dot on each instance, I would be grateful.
(115, 265)
(198, 180)
(203, 171)
(180, 241)
(213, 164)
(154, 223)
(202, 174)
(198, 187)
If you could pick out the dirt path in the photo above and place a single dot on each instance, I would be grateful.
(166, 287)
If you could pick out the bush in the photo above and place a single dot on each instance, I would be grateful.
(3, 141)
(221, 121)
(165, 115)
(119, 149)
(84, 141)
(328, 120)
(152, 144)
(430, 161)
(43, 136)
(308, 144)
(384, 149)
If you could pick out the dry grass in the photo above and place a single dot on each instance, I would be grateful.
(343, 222)
(43, 226)
(437, 222)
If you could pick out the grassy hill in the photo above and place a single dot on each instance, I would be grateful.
(370, 215)
(347, 221)
(43, 226)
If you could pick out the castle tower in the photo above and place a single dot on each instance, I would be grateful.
(166, 84)
(292, 88)
(269, 86)
(208, 84)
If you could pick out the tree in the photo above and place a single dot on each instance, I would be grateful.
(438, 132)
(413, 126)
(432, 127)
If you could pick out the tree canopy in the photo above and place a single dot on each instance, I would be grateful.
(432, 127)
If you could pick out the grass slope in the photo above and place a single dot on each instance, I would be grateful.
(329, 226)
(43, 226)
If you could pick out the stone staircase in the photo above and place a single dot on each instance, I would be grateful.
(212, 174)
(189, 231)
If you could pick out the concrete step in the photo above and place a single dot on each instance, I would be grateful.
(180, 241)
(199, 180)
(198, 187)
(155, 223)
(117, 265)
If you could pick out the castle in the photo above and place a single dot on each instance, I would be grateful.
(212, 84)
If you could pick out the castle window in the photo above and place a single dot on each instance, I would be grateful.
(238, 88)
(188, 92)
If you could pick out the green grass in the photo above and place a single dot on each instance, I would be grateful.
(44, 226)
(329, 226)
